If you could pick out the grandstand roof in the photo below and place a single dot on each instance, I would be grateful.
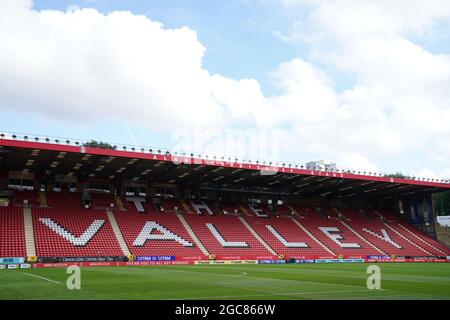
(94, 163)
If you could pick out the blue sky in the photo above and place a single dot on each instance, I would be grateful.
(358, 82)
(237, 33)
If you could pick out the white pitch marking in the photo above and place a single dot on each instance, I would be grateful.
(276, 294)
(43, 278)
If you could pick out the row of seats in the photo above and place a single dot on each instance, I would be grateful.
(12, 233)
(73, 231)
(149, 226)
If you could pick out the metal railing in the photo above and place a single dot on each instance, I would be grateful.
(199, 155)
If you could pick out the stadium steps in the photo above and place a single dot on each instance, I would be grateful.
(118, 233)
(244, 210)
(120, 203)
(406, 239)
(421, 239)
(362, 238)
(313, 237)
(192, 234)
(295, 212)
(29, 232)
(43, 199)
(256, 235)
(185, 207)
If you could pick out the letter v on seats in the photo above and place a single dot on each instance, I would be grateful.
(80, 241)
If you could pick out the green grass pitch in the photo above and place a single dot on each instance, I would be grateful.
(232, 282)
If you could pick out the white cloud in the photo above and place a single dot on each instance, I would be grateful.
(357, 162)
(428, 173)
(400, 103)
(83, 65)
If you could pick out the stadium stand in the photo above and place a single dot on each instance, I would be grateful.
(157, 234)
(226, 237)
(12, 234)
(67, 229)
(380, 235)
(101, 201)
(255, 221)
(286, 238)
(26, 198)
(336, 236)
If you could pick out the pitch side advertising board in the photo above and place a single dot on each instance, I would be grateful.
(304, 260)
(12, 260)
(82, 259)
(339, 260)
(156, 258)
(379, 259)
(272, 261)
(209, 262)
(109, 264)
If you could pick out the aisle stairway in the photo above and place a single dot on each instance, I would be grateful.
(29, 232)
(118, 233)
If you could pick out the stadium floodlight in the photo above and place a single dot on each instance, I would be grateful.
(67, 142)
(2, 135)
(14, 136)
(56, 141)
(159, 151)
(47, 140)
(150, 150)
(25, 138)
(36, 139)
